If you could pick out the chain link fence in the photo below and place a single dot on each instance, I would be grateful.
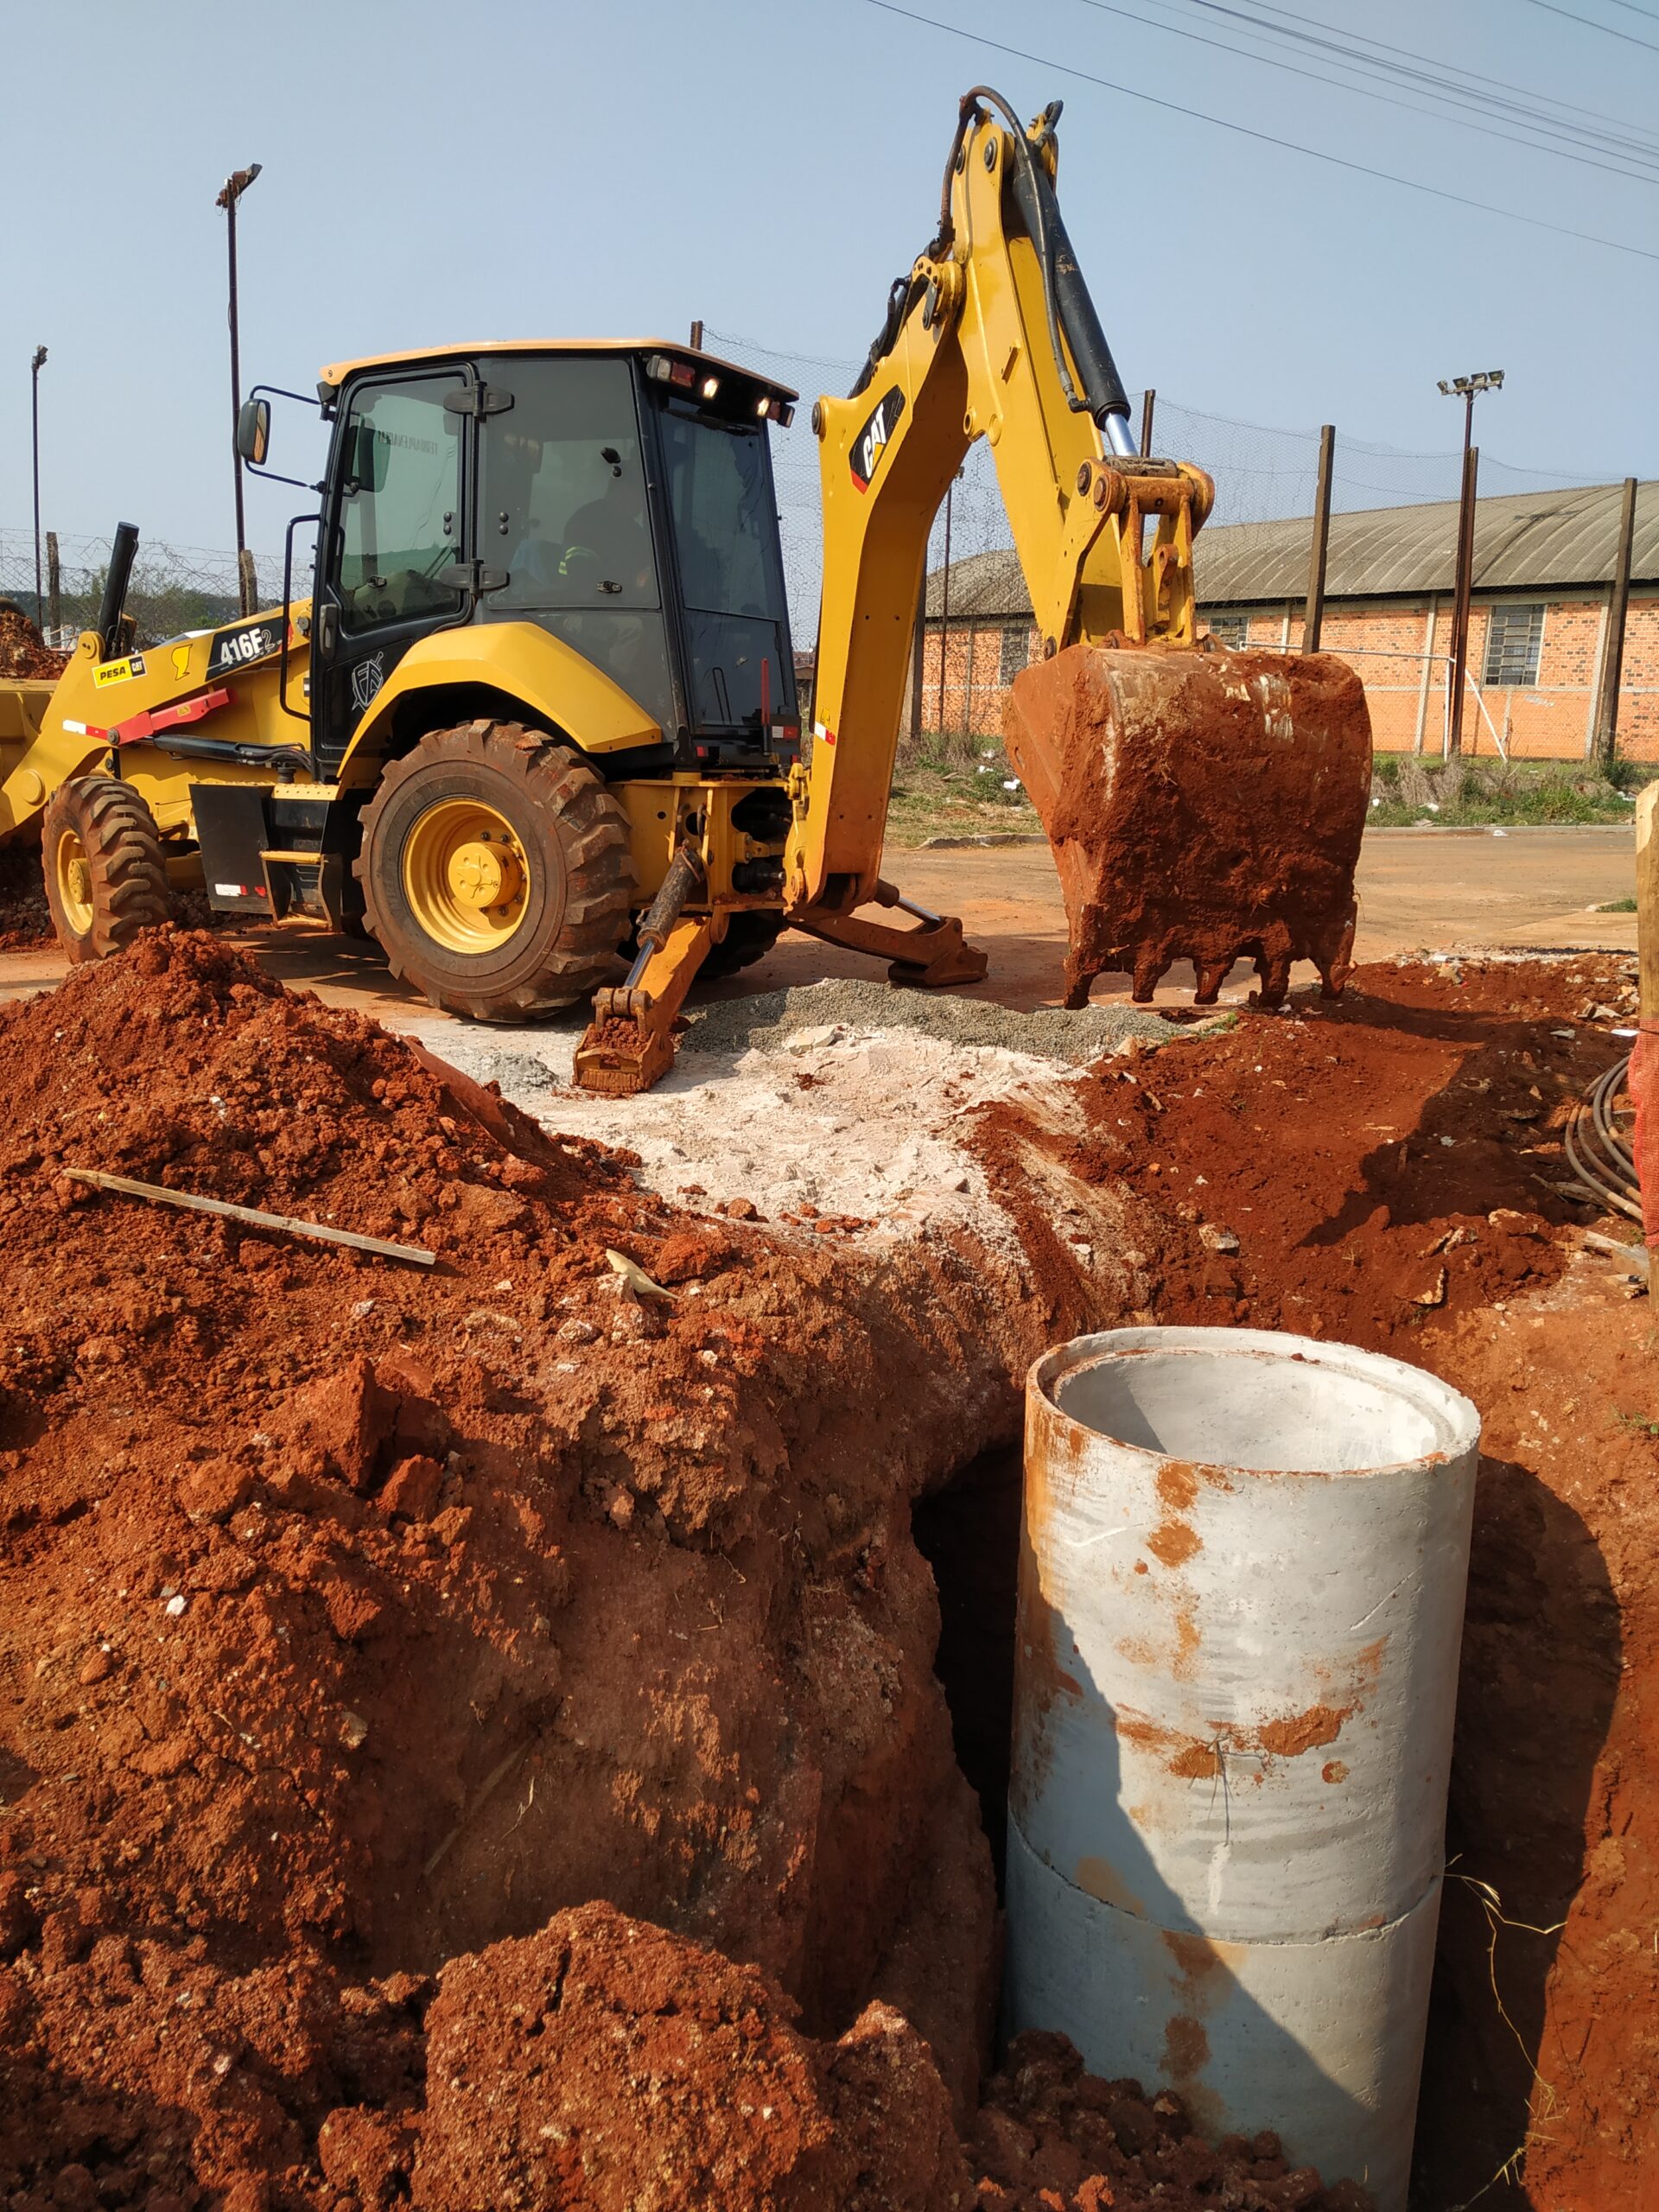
(174, 588)
(1265, 493)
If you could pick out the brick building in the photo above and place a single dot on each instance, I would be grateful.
(1538, 631)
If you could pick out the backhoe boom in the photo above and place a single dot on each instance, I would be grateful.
(1191, 817)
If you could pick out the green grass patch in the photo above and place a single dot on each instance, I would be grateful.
(957, 787)
(1407, 792)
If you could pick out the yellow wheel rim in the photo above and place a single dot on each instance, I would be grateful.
(465, 875)
(74, 882)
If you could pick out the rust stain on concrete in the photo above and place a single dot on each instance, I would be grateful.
(1178, 1486)
(1334, 1770)
(1201, 1977)
(1101, 1880)
(1174, 1542)
(1301, 1731)
(1197, 1762)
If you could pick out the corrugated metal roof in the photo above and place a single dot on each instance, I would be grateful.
(1525, 541)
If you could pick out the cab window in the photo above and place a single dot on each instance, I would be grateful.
(400, 504)
(562, 503)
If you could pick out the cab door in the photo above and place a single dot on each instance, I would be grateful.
(395, 534)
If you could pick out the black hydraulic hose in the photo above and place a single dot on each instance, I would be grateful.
(1065, 295)
(116, 577)
(1066, 298)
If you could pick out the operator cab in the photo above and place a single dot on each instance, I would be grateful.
(617, 495)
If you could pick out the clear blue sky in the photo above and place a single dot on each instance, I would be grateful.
(434, 172)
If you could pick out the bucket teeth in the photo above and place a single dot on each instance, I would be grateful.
(1150, 967)
(1274, 970)
(1212, 974)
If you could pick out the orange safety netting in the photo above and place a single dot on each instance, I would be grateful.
(1644, 1085)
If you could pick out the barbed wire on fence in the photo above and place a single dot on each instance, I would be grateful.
(174, 588)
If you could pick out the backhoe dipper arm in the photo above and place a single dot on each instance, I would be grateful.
(993, 335)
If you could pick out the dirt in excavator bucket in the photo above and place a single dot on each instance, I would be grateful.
(1202, 805)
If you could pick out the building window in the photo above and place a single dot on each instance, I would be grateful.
(1014, 653)
(1514, 635)
(1230, 630)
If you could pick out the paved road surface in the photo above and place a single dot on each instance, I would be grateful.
(1428, 888)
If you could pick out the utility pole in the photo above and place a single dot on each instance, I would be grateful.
(35, 368)
(918, 650)
(1313, 614)
(944, 598)
(1149, 400)
(1618, 602)
(234, 186)
(1465, 389)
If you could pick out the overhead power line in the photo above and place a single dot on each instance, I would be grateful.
(1441, 79)
(1367, 91)
(1262, 137)
(1590, 24)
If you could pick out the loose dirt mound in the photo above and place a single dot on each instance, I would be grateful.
(600, 2065)
(1387, 1171)
(354, 1617)
(23, 651)
(1052, 2138)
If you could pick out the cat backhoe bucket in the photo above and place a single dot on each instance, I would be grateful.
(1203, 805)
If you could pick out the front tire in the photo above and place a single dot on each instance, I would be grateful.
(106, 876)
(496, 872)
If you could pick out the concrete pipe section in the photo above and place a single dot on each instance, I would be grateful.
(1242, 1580)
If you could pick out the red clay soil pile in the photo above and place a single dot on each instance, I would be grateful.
(1388, 1171)
(23, 652)
(600, 2065)
(1051, 2137)
(354, 1617)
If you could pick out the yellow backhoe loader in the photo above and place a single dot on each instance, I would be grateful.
(535, 711)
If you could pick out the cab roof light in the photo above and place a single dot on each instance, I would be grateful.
(771, 409)
(710, 387)
(664, 370)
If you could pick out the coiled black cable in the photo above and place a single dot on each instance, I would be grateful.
(1597, 1150)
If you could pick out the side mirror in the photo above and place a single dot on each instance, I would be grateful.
(253, 431)
(367, 457)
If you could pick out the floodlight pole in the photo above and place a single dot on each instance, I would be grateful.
(234, 186)
(35, 368)
(1465, 389)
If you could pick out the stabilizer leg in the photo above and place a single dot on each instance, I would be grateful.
(933, 955)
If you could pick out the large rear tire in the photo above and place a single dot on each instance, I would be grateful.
(496, 872)
(106, 877)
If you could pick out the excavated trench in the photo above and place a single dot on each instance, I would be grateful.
(968, 1534)
(359, 1627)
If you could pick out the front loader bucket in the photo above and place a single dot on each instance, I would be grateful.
(1202, 805)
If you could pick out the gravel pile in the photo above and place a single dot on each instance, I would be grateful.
(770, 1020)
